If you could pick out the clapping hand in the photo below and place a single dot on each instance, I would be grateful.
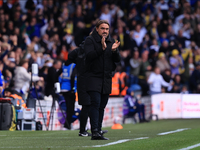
(103, 43)
(115, 45)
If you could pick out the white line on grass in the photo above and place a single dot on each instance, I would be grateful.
(178, 130)
(141, 138)
(120, 141)
(112, 143)
(190, 147)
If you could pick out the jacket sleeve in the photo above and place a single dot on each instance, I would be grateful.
(74, 72)
(36, 78)
(58, 73)
(90, 51)
(27, 76)
(129, 102)
(116, 56)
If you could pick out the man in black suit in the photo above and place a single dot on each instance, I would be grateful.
(52, 77)
(101, 55)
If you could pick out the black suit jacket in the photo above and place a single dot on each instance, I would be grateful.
(52, 78)
(99, 63)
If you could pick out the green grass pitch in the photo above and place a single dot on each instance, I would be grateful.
(69, 140)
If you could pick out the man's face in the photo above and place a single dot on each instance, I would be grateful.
(157, 71)
(59, 65)
(103, 30)
(132, 93)
(7, 93)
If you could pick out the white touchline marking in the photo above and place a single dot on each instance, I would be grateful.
(190, 147)
(141, 138)
(120, 141)
(112, 143)
(178, 130)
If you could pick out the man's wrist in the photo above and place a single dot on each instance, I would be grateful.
(113, 50)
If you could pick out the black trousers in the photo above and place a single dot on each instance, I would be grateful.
(70, 102)
(98, 104)
(84, 116)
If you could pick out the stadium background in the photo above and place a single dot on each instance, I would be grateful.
(44, 30)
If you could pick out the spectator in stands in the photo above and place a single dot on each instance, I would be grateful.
(8, 8)
(177, 84)
(148, 18)
(134, 15)
(184, 90)
(162, 62)
(186, 55)
(145, 67)
(163, 37)
(191, 66)
(135, 63)
(154, 31)
(105, 15)
(165, 48)
(89, 17)
(34, 28)
(170, 33)
(78, 25)
(167, 77)
(124, 39)
(154, 47)
(176, 62)
(181, 39)
(156, 82)
(139, 34)
(196, 55)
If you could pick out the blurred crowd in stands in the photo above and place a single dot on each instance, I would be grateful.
(161, 34)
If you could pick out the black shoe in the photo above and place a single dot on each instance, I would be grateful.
(141, 121)
(97, 136)
(85, 133)
(102, 132)
(145, 120)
